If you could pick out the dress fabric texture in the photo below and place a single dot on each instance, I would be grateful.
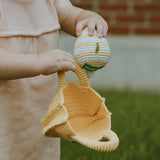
(28, 27)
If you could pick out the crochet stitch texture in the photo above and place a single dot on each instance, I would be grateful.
(78, 113)
(91, 52)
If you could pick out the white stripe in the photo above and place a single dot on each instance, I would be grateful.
(90, 39)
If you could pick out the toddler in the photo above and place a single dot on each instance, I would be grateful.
(29, 59)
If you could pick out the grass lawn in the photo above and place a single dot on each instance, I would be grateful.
(135, 119)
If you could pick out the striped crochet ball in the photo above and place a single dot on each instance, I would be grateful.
(91, 52)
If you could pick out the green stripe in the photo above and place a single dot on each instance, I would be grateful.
(90, 67)
(97, 47)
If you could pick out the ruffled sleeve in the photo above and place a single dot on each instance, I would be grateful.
(63, 7)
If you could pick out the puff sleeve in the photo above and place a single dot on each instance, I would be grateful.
(62, 7)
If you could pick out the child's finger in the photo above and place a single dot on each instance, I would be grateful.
(71, 60)
(105, 29)
(100, 30)
(67, 66)
(91, 28)
(79, 27)
(67, 54)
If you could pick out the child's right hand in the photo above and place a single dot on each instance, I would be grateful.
(55, 60)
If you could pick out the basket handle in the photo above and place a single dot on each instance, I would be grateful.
(83, 79)
(108, 146)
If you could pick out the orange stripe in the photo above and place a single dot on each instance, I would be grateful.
(94, 63)
(85, 44)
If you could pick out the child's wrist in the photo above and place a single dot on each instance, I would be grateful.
(38, 67)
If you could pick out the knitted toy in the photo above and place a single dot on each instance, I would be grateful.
(78, 113)
(91, 52)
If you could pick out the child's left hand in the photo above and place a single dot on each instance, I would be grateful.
(93, 21)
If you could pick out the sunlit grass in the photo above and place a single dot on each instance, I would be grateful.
(135, 119)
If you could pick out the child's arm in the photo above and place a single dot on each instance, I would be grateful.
(77, 19)
(15, 66)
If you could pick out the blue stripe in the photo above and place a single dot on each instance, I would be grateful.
(103, 59)
(93, 58)
(91, 49)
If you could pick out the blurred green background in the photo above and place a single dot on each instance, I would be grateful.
(135, 119)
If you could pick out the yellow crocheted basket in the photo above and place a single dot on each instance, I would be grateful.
(78, 113)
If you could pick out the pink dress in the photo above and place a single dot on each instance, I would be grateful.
(28, 27)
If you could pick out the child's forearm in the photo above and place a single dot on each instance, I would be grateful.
(69, 24)
(15, 66)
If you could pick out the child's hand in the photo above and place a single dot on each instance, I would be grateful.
(93, 21)
(54, 61)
